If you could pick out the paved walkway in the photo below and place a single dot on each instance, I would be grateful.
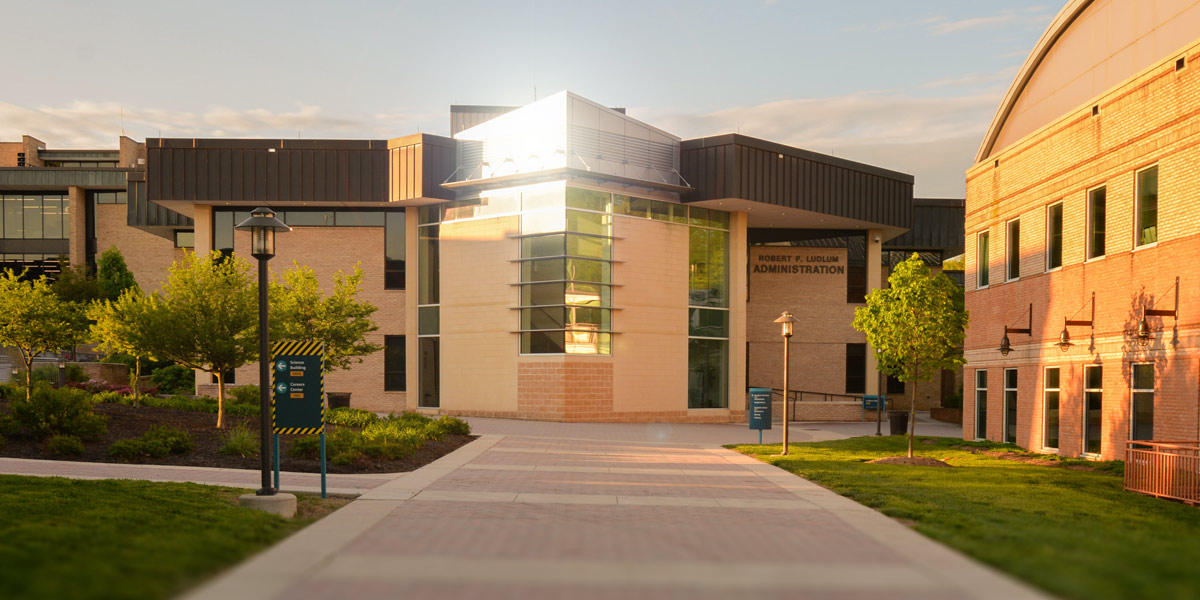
(511, 516)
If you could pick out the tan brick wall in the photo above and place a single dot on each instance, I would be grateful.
(147, 256)
(1151, 119)
(565, 388)
(28, 145)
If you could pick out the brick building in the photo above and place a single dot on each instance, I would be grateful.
(557, 261)
(1080, 237)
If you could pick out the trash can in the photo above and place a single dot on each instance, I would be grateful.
(897, 422)
(338, 399)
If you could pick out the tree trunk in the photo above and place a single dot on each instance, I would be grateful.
(137, 377)
(912, 413)
(28, 360)
(220, 399)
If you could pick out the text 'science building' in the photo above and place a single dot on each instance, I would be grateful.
(558, 261)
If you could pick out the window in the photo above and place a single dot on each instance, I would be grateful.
(1050, 410)
(894, 386)
(981, 259)
(1010, 406)
(185, 239)
(1095, 223)
(1013, 243)
(708, 374)
(394, 252)
(1093, 409)
(980, 404)
(856, 368)
(230, 377)
(393, 363)
(1054, 236)
(1147, 207)
(429, 349)
(856, 269)
(1142, 427)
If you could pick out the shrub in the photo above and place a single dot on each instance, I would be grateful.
(244, 394)
(308, 448)
(95, 386)
(174, 379)
(452, 426)
(49, 374)
(3, 441)
(239, 441)
(64, 445)
(350, 417)
(62, 411)
(7, 391)
(158, 442)
(109, 398)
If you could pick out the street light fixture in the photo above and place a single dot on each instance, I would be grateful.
(62, 370)
(1144, 335)
(1005, 343)
(787, 328)
(262, 226)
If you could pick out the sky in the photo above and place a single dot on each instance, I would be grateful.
(909, 85)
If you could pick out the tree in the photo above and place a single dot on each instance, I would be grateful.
(75, 284)
(112, 274)
(915, 326)
(35, 320)
(301, 313)
(124, 327)
(204, 317)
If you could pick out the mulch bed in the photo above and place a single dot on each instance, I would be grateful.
(916, 461)
(129, 422)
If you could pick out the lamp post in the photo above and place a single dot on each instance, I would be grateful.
(262, 226)
(62, 370)
(787, 326)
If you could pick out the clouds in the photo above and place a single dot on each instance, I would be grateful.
(83, 124)
(934, 139)
(1034, 16)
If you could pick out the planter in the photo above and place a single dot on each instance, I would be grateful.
(946, 415)
(338, 399)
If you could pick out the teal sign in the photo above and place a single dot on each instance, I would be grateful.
(759, 410)
(298, 388)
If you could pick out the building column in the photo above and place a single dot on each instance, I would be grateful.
(77, 207)
(739, 257)
(874, 282)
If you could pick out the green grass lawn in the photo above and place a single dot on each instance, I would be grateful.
(65, 539)
(1074, 533)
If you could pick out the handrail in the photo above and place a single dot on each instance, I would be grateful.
(795, 396)
(1162, 468)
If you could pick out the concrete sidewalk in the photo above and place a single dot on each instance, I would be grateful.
(541, 517)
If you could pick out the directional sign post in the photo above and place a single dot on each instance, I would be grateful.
(760, 410)
(298, 394)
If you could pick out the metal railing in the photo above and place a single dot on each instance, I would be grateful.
(795, 396)
(1166, 469)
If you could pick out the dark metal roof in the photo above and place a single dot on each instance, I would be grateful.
(938, 223)
(737, 166)
(56, 178)
(418, 164)
(275, 171)
(141, 212)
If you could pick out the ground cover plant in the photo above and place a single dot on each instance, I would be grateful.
(1064, 525)
(118, 539)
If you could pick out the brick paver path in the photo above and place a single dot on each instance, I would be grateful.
(516, 517)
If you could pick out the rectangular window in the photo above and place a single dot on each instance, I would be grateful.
(1050, 409)
(856, 368)
(1143, 402)
(980, 404)
(1147, 206)
(1054, 236)
(981, 259)
(1010, 406)
(394, 252)
(894, 386)
(708, 378)
(1095, 223)
(1013, 243)
(428, 263)
(394, 376)
(222, 233)
(429, 349)
(1093, 409)
(33, 217)
(185, 239)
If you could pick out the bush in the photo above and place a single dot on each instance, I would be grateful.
(954, 401)
(64, 445)
(452, 426)
(350, 417)
(96, 386)
(308, 448)
(158, 442)
(244, 394)
(239, 441)
(174, 379)
(49, 374)
(3, 441)
(64, 411)
(109, 398)
(7, 392)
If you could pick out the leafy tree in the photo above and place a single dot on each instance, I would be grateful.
(915, 326)
(301, 312)
(205, 317)
(35, 320)
(112, 275)
(76, 284)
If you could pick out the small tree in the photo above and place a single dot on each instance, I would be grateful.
(205, 317)
(35, 320)
(301, 313)
(123, 327)
(915, 326)
(75, 284)
(112, 275)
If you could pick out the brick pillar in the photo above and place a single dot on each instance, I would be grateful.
(874, 282)
(77, 249)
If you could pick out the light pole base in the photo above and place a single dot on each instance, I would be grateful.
(281, 504)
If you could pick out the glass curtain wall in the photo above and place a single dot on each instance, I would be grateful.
(429, 308)
(34, 232)
(708, 308)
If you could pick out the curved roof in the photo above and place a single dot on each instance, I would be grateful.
(1091, 46)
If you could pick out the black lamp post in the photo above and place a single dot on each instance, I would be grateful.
(787, 324)
(62, 370)
(262, 226)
